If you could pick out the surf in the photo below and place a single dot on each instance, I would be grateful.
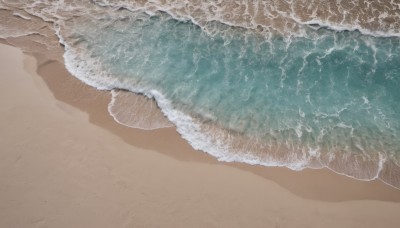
(275, 84)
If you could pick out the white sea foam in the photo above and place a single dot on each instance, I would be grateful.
(22, 16)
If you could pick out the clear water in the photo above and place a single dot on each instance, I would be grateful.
(328, 98)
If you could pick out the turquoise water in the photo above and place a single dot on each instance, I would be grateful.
(323, 99)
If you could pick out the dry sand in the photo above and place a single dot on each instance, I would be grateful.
(64, 162)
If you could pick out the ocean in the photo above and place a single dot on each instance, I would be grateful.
(299, 84)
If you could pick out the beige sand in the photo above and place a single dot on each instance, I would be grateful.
(65, 163)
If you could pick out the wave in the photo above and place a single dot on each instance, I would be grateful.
(233, 147)
(285, 17)
(350, 134)
(256, 82)
(377, 18)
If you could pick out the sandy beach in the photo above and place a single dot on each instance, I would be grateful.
(64, 162)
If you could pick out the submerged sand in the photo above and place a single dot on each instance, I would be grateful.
(64, 162)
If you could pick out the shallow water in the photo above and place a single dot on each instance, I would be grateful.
(284, 87)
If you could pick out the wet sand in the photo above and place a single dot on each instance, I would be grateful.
(65, 162)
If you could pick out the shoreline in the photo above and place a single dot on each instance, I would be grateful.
(99, 116)
(95, 103)
(141, 176)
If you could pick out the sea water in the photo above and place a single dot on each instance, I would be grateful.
(304, 93)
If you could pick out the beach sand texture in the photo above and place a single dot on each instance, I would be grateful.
(64, 162)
